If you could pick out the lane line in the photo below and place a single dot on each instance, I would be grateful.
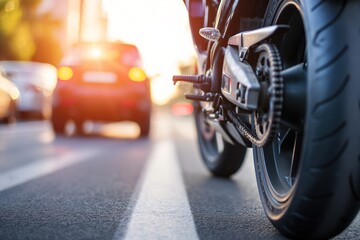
(25, 128)
(162, 210)
(42, 168)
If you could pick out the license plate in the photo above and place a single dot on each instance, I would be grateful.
(99, 77)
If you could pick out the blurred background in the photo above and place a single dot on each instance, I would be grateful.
(43, 30)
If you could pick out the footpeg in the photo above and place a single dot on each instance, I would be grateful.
(208, 97)
(195, 79)
(200, 81)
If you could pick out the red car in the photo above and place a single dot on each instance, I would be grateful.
(102, 82)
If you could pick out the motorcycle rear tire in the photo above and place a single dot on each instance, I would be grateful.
(325, 195)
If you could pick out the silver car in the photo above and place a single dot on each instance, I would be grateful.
(36, 82)
(9, 94)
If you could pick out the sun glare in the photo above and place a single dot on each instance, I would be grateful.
(95, 52)
(162, 35)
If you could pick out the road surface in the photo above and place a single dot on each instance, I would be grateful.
(112, 185)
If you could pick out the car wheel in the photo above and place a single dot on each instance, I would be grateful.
(79, 124)
(11, 118)
(58, 121)
(144, 125)
(45, 114)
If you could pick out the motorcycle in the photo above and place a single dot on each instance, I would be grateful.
(282, 77)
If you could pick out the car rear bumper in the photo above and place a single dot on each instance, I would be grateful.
(104, 104)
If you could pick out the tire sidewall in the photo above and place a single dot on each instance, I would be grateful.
(322, 43)
(274, 210)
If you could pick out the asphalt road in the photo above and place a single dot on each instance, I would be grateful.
(112, 185)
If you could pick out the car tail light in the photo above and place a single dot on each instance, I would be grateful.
(182, 109)
(65, 73)
(137, 74)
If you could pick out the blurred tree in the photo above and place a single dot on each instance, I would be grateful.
(48, 48)
(26, 35)
(16, 40)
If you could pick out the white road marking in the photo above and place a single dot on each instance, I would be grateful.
(25, 128)
(162, 208)
(42, 168)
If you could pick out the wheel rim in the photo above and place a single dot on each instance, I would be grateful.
(211, 141)
(281, 157)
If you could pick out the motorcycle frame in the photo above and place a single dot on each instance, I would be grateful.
(227, 11)
(223, 20)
